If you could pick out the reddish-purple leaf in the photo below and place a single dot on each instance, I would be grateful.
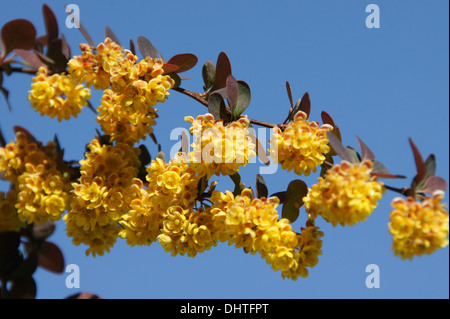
(23, 289)
(51, 24)
(366, 153)
(18, 34)
(146, 48)
(289, 93)
(185, 61)
(327, 119)
(84, 295)
(29, 57)
(110, 34)
(339, 149)
(434, 183)
(65, 49)
(232, 91)
(305, 104)
(51, 258)
(132, 47)
(223, 70)
(386, 175)
(169, 68)
(420, 164)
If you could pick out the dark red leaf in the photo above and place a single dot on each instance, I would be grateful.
(305, 104)
(434, 183)
(386, 175)
(420, 164)
(339, 149)
(169, 68)
(18, 34)
(65, 50)
(327, 119)
(29, 57)
(146, 48)
(223, 70)
(232, 91)
(51, 258)
(110, 34)
(289, 93)
(51, 24)
(366, 153)
(84, 295)
(23, 289)
(185, 61)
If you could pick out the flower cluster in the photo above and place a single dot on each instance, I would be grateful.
(42, 189)
(419, 227)
(9, 220)
(254, 225)
(168, 199)
(301, 146)
(218, 148)
(107, 186)
(346, 195)
(131, 88)
(57, 95)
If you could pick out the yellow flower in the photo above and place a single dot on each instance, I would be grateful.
(347, 194)
(58, 95)
(419, 227)
(218, 148)
(301, 146)
(9, 220)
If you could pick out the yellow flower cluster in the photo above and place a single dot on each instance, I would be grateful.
(126, 112)
(9, 220)
(254, 224)
(346, 195)
(219, 149)
(166, 212)
(419, 227)
(42, 188)
(301, 146)
(58, 95)
(107, 186)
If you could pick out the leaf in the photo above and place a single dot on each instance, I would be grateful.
(223, 70)
(132, 47)
(146, 48)
(281, 196)
(295, 192)
(55, 52)
(261, 187)
(161, 155)
(26, 268)
(432, 184)
(327, 119)
(339, 149)
(289, 93)
(366, 153)
(232, 89)
(169, 68)
(18, 34)
(201, 186)
(176, 78)
(430, 166)
(243, 100)
(354, 154)
(184, 142)
(2, 139)
(238, 186)
(185, 61)
(110, 34)
(51, 23)
(84, 295)
(30, 57)
(217, 107)
(51, 258)
(65, 50)
(420, 164)
(208, 74)
(305, 104)
(144, 156)
(42, 231)
(23, 289)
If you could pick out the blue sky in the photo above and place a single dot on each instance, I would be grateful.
(384, 85)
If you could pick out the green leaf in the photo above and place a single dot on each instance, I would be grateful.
(261, 187)
(201, 186)
(176, 78)
(185, 61)
(430, 166)
(51, 23)
(51, 258)
(208, 74)
(295, 192)
(18, 34)
(217, 107)
(354, 154)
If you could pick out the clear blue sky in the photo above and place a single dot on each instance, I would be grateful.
(384, 85)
